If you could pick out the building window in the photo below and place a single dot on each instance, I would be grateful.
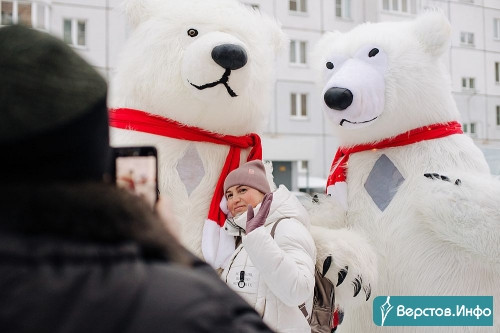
(7, 13)
(498, 115)
(24, 13)
(496, 28)
(298, 106)
(298, 51)
(343, 8)
(75, 32)
(468, 83)
(467, 38)
(472, 128)
(401, 6)
(33, 15)
(497, 72)
(302, 166)
(298, 6)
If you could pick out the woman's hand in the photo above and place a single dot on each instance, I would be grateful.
(258, 220)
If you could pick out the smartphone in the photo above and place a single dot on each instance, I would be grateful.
(136, 169)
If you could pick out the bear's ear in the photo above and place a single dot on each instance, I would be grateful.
(278, 38)
(138, 11)
(322, 48)
(433, 30)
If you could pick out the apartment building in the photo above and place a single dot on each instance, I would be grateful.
(298, 137)
(97, 29)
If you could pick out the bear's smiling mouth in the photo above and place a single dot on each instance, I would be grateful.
(356, 122)
(223, 80)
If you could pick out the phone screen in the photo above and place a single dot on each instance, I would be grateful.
(138, 175)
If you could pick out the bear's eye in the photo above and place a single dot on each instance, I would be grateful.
(329, 65)
(373, 52)
(192, 32)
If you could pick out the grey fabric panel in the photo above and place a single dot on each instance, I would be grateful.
(190, 169)
(383, 182)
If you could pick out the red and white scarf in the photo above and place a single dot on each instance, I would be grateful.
(336, 184)
(217, 246)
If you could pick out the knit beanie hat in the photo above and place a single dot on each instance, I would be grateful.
(53, 114)
(251, 174)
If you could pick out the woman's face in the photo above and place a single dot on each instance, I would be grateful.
(240, 196)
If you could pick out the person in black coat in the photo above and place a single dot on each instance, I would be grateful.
(78, 254)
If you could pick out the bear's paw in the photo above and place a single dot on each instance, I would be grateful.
(346, 259)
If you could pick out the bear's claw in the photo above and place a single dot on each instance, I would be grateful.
(326, 265)
(441, 177)
(342, 275)
(357, 283)
(368, 291)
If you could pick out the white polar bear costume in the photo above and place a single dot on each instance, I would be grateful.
(206, 68)
(417, 190)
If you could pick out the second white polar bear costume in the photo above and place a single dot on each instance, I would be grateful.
(428, 208)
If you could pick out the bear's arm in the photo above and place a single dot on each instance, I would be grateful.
(466, 215)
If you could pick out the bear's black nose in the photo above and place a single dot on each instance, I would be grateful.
(338, 98)
(230, 56)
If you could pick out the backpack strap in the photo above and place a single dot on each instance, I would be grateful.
(273, 229)
(302, 307)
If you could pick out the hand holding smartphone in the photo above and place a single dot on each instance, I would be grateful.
(136, 169)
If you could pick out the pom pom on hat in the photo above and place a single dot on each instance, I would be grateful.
(251, 174)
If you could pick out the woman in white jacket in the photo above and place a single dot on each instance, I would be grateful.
(275, 275)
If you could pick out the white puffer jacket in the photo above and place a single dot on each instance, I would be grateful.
(278, 274)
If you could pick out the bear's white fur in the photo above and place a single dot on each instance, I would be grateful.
(160, 65)
(435, 237)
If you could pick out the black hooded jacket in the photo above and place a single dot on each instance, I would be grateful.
(90, 258)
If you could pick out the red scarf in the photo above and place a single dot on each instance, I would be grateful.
(338, 169)
(144, 122)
